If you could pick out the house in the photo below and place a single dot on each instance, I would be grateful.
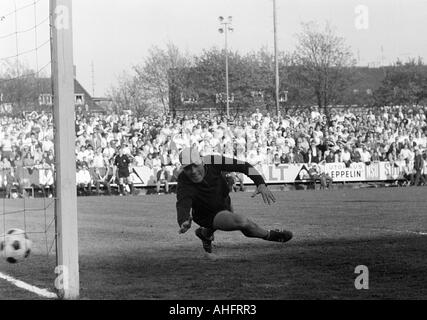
(29, 93)
(82, 99)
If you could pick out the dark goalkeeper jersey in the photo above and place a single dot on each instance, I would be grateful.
(211, 196)
(122, 163)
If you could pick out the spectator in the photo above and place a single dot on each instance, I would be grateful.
(345, 156)
(314, 154)
(418, 168)
(82, 154)
(103, 177)
(46, 180)
(12, 181)
(157, 163)
(5, 164)
(149, 161)
(163, 178)
(408, 173)
(139, 159)
(405, 153)
(109, 151)
(38, 154)
(365, 156)
(298, 156)
(98, 161)
(83, 180)
(176, 172)
(376, 157)
(6, 146)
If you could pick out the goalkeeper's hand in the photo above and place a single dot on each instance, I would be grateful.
(267, 195)
(186, 226)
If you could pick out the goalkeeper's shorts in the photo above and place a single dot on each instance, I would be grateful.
(206, 219)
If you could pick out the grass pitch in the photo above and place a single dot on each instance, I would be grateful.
(130, 249)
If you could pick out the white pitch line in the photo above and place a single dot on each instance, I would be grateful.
(20, 284)
(419, 233)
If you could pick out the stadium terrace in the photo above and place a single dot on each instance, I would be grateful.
(391, 134)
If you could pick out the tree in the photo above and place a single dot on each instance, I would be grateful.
(299, 93)
(153, 75)
(261, 78)
(129, 95)
(19, 86)
(251, 79)
(323, 58)
(146, 88)
(404, 83)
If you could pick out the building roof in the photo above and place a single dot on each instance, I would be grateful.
(45, 87)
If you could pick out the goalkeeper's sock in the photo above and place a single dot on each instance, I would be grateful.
(207, 242)
(208, 234)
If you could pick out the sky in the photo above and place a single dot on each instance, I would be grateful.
(113, 35)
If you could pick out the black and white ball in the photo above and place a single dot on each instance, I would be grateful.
(15, 246)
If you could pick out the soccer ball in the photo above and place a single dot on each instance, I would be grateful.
(15, 246)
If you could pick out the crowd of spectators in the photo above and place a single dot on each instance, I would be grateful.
(383, 134)
(298, 136)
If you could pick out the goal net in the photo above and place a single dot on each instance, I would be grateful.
(35, 77)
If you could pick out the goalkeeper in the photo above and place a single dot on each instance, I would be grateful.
(203, 190)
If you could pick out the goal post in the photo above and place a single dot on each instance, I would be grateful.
(64, 121)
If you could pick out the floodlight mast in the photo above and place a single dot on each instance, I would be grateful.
(276, 60)
(226, 26)
(65, 160)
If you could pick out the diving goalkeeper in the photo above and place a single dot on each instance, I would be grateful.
(203, 197)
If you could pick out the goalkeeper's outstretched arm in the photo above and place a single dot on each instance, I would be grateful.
(234, 165)
(227, 164)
